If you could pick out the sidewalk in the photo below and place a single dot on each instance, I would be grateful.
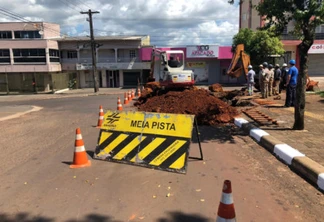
(309, 141)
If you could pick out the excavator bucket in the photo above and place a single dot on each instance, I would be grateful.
(239, 63)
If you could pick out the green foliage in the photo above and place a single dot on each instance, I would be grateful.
(258, 44)
(305, 14)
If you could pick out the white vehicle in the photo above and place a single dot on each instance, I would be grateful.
(168, 67)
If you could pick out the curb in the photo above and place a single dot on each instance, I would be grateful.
(302, 165)
(16, 115)
(62, 90)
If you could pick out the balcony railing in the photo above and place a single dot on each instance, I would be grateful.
(292, 37)
(101, 60)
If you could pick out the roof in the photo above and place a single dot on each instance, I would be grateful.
(113, 37)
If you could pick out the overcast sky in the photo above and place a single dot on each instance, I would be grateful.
(168, 22)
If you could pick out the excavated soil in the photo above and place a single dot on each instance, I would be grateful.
(208, 109)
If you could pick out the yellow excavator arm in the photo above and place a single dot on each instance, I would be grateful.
(240, 62)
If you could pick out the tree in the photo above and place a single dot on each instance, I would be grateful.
(306, 15)
(258, 44)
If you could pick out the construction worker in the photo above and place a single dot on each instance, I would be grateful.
(284, 71)
(271, 78)
(250, 79)
(277, 78)
(265, 80)
(291, 84)
(260, 78)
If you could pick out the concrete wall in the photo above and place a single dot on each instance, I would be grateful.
(246, 13)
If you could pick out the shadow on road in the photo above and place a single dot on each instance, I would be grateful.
(181, 217)
(25, 217)
(220, 134)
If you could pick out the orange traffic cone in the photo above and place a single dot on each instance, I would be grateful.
(129, 96)
(133, 94)
(80, 158)
(119, 105)
(125, 98)
(101, 116)
(139, 92)
(226, 211)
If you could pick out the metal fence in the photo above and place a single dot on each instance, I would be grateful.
(13, 83)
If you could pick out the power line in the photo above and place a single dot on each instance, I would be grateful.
(69, 5)
(82, 2)
(74, 4)
(22, 19)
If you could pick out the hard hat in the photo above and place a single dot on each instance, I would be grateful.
(265, 64)
(261, 66)
(284, 65)
(292, 62)
(270, 66)
(249, 67)
(277, 65)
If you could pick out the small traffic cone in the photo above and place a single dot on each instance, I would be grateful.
(129, 96)
(226, 211)
(119, 105)
(133, 94)
(101, 116)
(80, 158)
(125, 98)
(139, 92)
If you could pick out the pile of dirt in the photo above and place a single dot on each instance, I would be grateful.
(208, 109)
(216, 88)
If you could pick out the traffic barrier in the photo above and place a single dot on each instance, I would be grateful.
(139, 92)
(125, 99)
(129, 96)
(155, 140)
(101, 116)
(226, 211)
(80, 158)
(119, 105)
(133, 94)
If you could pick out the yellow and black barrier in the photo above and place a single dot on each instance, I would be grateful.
(155, 140)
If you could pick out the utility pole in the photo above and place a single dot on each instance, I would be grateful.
(93, 50)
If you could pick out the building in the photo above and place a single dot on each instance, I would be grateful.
(249, 18)
(121, 60)
(34, 57)
(209, 63)
(28, 55)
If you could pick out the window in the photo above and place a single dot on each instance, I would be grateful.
(5, 35)
(72, 54)
(4, 56)
(132, 53)
(29, 55)
(319, 29)
(27, 35)
(285, 30)
(54, 55)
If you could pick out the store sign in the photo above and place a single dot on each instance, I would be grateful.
(316, 49)
(196, 64)
(202, 51)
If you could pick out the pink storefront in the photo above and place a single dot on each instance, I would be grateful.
(209, 63)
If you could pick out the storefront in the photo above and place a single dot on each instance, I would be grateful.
(316, 59)
(203, 60)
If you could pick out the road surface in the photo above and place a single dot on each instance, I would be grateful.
(38, 185)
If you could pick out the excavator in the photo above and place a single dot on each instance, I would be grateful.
(168, 67)
(241, 61)
(239, 64)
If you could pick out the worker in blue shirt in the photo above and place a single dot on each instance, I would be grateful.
(291, 84)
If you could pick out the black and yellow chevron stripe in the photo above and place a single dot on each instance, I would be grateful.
(162, 152)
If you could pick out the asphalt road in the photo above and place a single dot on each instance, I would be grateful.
(38, 185)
